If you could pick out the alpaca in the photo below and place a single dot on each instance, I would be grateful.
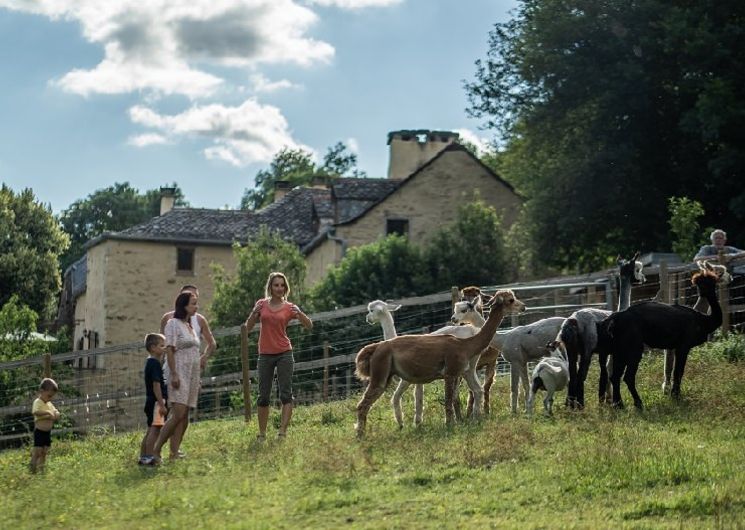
(701, 306)
(517, 346)
(379, 312)
(580, 337)
(550, 374)
(657, 325)
(424, 358)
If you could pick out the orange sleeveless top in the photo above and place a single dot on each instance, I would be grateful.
(273, 337)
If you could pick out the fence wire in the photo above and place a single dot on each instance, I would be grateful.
(103, 390)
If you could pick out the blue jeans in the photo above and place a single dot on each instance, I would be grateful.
(284, 364)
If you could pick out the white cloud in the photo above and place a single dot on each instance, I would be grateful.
(240, 135)
(482, 144)
(353, 145)
(261, 84)
(355, 4)
(142, 140)
(161, 45)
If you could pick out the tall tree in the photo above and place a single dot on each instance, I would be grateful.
(296, 166)
(388, 268)
(607, 109)
(470, 251)
(108, 209)
(30, 244)
(236, 293)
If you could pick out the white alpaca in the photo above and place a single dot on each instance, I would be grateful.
(518, 346)
(379, 312)
(550, 374)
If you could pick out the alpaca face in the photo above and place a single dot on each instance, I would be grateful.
(463, 312)
(507, 301)
(377, 309)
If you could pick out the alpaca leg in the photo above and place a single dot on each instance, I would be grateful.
(456, 401)
(669, 363)
(450, 388)
(475, 386)
(531, 400)
(615, 379)
(371, 395)
(548, 402)
(396, 402)
(418, 404)
(514, 382)
(469, 405)
(630, 379)
(584, 367)
(604, 362)
(525, 382)
(573, 376)
(488, 382)
(608, 389)
(681, 356)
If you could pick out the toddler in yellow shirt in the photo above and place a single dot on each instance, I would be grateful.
(45, 414)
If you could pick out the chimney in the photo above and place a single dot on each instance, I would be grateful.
(281, 188)
(167, 199)
(411, 149)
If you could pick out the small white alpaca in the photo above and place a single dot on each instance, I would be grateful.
(550, 374)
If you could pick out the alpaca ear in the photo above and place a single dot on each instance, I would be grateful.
(708, 266)
(635, 256)
(392, 307)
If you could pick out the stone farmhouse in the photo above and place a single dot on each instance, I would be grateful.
(117, 292)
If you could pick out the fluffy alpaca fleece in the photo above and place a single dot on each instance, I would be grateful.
(550, 374)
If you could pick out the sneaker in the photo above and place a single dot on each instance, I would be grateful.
(146, 460)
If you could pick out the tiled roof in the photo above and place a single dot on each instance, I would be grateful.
(354, 196)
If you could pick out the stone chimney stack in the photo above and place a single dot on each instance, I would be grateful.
(167, 199)
(281, 188)
(411, 149)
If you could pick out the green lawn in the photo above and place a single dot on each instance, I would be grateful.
(676, 465)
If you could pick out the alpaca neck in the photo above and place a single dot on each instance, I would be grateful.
(478, 320)
(389, 330)
(715, 317)
(482, 339)
(624, 293)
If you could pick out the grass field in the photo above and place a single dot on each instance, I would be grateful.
(676, 465)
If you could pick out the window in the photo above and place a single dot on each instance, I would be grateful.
(184, 260)
(397, 226)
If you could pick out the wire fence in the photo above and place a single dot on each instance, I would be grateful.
(102, 390)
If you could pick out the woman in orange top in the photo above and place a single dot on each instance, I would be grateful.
(275, 348)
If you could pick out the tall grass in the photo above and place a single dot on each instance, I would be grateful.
(674, 465)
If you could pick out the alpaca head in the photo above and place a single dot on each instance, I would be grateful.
(463, 312)
(724, 277)
(377, 308)
(705, 282)
(631, 269)
(470, 293)
(556, 348)
(506, 301)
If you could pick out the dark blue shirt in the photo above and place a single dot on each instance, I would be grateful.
(154, 373)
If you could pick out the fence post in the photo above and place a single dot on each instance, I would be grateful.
(47, 364)
(349, 382)
(326, 370)
(724, 304)
(246, 375)
(454, 295)
(664, 283)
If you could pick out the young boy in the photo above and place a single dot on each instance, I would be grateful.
(45, 414)
(156, 395)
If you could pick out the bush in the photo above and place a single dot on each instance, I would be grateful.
(730, 348)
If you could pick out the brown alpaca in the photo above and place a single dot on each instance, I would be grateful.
(424, 358)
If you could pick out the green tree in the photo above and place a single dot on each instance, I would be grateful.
(30, 244)
(296, 166)
(388, 268)
(235, 294)
(470, 251)
(687, 235)
(606, 109)
(108, 209)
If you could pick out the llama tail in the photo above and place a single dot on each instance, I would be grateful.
(362, 361)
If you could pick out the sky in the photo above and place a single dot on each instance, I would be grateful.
(204, 93)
